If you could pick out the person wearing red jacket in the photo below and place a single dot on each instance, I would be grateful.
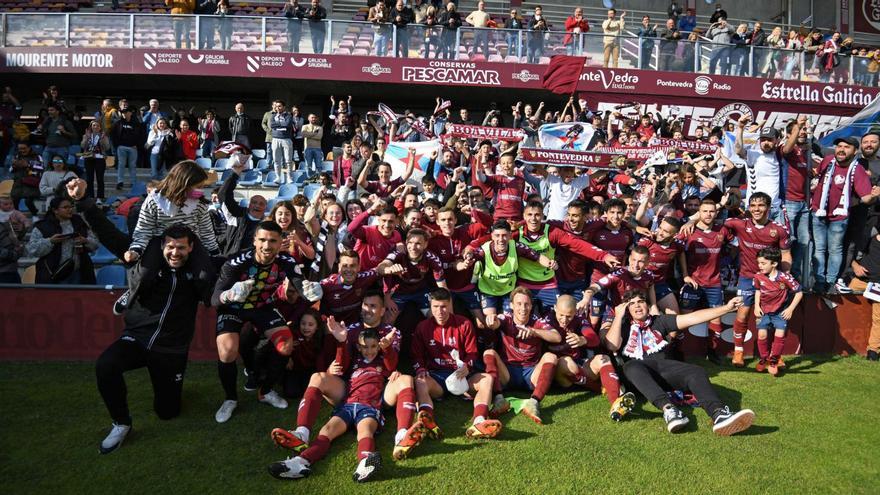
(438, 344)
(189, 141)
(575, 25)
(508, 188)
(375, 242)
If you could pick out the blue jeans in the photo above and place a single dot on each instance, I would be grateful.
(317, 33)
(719, 54)
(157, 167)
(314, 158)
(208, 149)
(574, 289)
(126, 157)
(828, 239)
(547, 296)
(380, 40)
(269, 159)
(798, 214)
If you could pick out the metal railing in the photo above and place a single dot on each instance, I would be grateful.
(280, 34)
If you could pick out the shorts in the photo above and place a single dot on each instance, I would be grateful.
(773, 320)
(440, 377)
(419, 299)
(574, 289)
(354, 413)
(546, 296)
(469, 298)
(520, 377)
(746, 289)
(661, 290)
(701, 297)
(597, 304)
(500, 303)
(265, 318)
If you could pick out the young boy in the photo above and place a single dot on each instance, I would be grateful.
(771, 293)
(361, 410)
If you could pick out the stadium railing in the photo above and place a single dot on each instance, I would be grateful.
(274, 34)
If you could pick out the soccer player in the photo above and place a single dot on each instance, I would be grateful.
(374, 243)
(571, 278)
(245, 292)
(366, 374)
(771, 293)
(433, 344)
(664, 250)
(641, 340)
(754, 233)
(634, 276)
(520, 363)
(702, 270)
(159, 325)
(508, 187)
(344, 291)
(407, 277)
(385, 185)
(579, 357)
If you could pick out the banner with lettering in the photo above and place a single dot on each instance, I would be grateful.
(479, 132)
(684, 145)
(634, 152)
(569, 158)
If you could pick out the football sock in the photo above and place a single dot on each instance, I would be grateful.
(545, 379)
(739, 334)
(427, 408)
(610, 381)
(366, 446)
(309, 407)
(317, 450)
(715, 334)
(480, 411)
(228, 378)
(776, 350)
(406, 407)
(763, 348)
(492, 369)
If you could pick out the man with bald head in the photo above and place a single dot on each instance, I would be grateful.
(242, 222)
(579, 361)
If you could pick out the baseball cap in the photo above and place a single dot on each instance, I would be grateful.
(769, 133)
(850, 140)
(874, 131)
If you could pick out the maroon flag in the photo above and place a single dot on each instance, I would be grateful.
(563, 73)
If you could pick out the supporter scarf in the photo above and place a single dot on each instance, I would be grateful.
(643, 341)
(441, 109)
(320, 243)
(843, 207)
(419, 127)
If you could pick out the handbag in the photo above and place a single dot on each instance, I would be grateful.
(63, 271)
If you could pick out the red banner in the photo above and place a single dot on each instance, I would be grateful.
(866, 16)
(634, 152)
(568, 158)
(694, 146)
(479, 132)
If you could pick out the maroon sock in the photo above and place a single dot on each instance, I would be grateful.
(739, 334)
(366, 446)
(763, 348)
(309, 407)
(317, 449)
(610, 382)
(776, 350)
(492, 370)
(406, 408)
(545, 379)
(427, 408)
(715, 330)
(481, 410)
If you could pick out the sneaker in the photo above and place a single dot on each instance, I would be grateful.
(622, 406)
(290, 469)
(870, 356)
(121, 304)
(738, 359)
(675, 420)
(761, 366)
(251, 383)
(120, 186)
(500, 405)
(225, 411)
(289, 440)
(427, 420)
(411, 439)
(367, 467)
(274, 400)
(727, 423)
(842, 288)
(781, 363)
(115, 438)
(532, 410)
(713, 357)
(773, 368)
(488, 428)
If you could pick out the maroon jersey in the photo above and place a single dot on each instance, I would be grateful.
(355, 329)
(371, 245)
(798, 170)
(616, 242)
(621, 280)
(516, 351)
(753, 238)
(315, 354)
(572, 266)
(366, 379)
(703, 254)
(433, 343)
(561, 241)
(416, 276)
(774, 291)
(661, 257)
(508, 193)
(449, 249)
(383, 190)
(342, 301)
(579, 325)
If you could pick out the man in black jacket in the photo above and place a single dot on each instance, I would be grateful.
(126, 134)
(164, 294)
(316, 15)
(207, 24)
(241, 222)
(401, 16)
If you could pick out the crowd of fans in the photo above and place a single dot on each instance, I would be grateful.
(493, 273)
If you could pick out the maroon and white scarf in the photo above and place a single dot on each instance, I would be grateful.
(643, 341)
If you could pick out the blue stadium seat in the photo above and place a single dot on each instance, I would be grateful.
(221, 164)
(251, 178)
(205, 163)
(243, 202)
(112, 275)
(270, 179)
(287, 191)
(271, 203)
(311, 190)
(120, 222)
(262, 164)
(224, 177)
(298, 176)
(102, 256)
(259, 153)
(327, 166)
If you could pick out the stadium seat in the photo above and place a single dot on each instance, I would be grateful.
(224, 177)
(298, 176)
(259, 153)
(243, 202)
(287, 191)
(262, 164)
(120, 222)
(102, 256)
(205, 163)
(272, 202)
(221, 164)
(327, 166)
(270, 179)
(311, 190)
(138, 189)
(111, 276)
(251, 178)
